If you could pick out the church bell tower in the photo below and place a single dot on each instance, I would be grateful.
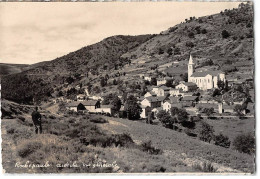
(190, 68)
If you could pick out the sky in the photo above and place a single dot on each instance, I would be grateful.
(35, 32)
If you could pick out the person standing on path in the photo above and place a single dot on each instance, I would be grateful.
(36, 117)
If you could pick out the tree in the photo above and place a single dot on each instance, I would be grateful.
(177, 51)
(206, 132)
(180, 115)
(245, 143)
(102, 82)
(203, 31)
(169, 83)
(185, 77)
(238, 109)
(170, 51)
(132, 108)
(112, 99)
(208, 111)
(221, 84)
(161, 51)
(165, 118)
(114, 82)
(222, 141)
(153, 81)
(225, 34)
(191, 35)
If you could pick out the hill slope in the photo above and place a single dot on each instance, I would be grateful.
(225, 38)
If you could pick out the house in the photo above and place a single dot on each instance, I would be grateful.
(81, 97)
(161, 81)
(147, 77)
(153, 102)
(172, 99)
(156, 110)
(167, 105)
(174, 92)
(151, 93)
(163, 91)
(155, 89)
(107, 109)
(227, 108)
(73, 106)
(188, 86)
(145, 111)
(91, 105)
(189, 100)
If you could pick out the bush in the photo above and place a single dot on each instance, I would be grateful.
(191, 35)
(117, 140)
(245, 143)
(206, 132)
(27, 149)
(147, 147)
(222, 141)
(204, 31)
(190, 132)
(225, 34)
(206, 167)
(99, 120)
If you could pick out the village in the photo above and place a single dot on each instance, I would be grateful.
(195, 96)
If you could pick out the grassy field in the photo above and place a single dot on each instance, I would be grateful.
(189, 149)
(62, 143)
(100, 142)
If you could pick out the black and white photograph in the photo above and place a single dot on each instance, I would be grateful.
(163, 87)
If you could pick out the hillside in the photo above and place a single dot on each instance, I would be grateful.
(7, 69)
(94, 139)
(225, 38)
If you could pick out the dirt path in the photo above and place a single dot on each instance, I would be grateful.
(116, 126)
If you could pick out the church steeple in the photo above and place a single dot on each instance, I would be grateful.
(190, 68)
(190, 60)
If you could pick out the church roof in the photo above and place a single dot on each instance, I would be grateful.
(205, 73)
(189, 84)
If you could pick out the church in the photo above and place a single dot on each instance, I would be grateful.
(206, 79)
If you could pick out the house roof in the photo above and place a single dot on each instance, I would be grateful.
(189, 98)
(89, 102)
(106, 106)
(205, 73)
(164, 88)
(189, 84)
(173, 99)
(73, 104)
(155, 99)
(157, 109)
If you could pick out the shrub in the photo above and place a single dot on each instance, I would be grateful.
(117, 140)
(191, 35)
(225, 34)
(203, 31)
(147, 147)
(99, 120)
(190, 132)
(206, 132)
(222, 141)
(157, 168)
(28, 148)
(206, 167)
(245, 143)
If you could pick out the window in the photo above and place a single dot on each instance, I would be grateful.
(208, 80)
